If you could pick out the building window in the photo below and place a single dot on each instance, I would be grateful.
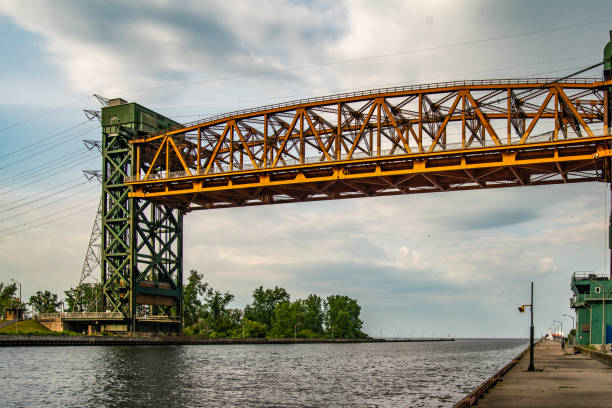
(597, 289)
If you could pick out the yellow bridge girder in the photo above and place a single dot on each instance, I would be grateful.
(428, 138)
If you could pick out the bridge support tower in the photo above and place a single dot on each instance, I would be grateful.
(607, 75)
(142, 241)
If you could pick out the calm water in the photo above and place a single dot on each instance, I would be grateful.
(347, 375)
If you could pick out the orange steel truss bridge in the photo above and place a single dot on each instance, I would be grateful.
(419, 139)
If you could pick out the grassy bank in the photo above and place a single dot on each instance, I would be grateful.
(25, 327)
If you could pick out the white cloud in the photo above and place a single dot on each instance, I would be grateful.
(547, 265)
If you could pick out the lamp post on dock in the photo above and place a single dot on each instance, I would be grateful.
(522, 309)
(571, 317)
(573, 328)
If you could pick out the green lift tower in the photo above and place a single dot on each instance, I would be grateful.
(142, 242)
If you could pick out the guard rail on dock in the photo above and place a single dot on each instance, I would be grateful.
(596, 355)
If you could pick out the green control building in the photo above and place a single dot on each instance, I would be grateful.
(592, 302)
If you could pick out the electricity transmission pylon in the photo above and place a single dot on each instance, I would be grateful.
(91, 264)
(93, 256)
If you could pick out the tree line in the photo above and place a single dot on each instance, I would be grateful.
(41, 302)
(206, 311)
(270, 314)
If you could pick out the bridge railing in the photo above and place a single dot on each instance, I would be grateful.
(320, 158)
(79, 315)
(160, 318)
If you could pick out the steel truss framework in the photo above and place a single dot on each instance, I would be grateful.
(141, 243)
(439, 137)
(91, 266)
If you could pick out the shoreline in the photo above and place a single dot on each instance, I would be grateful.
(41, 340)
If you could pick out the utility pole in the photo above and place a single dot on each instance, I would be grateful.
(531, 367)
(522, 309)
(18, 306)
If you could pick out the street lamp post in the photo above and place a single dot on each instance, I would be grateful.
(573, 327)
(18, 306)
(560, 325)
(522, 309)
(571, 317)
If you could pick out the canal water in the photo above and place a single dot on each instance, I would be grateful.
(434, 374)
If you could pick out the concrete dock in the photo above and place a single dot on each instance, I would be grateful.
(561, 379)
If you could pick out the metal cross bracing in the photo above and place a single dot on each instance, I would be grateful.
(141, 241)
(426, 138)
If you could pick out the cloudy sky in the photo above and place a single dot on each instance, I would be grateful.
(455, 263)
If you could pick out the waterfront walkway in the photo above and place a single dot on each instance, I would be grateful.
(560, 380)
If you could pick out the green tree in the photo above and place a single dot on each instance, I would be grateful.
(264, 302)
(288, 318)
(193, 295)
(44, 302)
(84, 297)
(8, 299)
(216, 304)
(342, 315)
(249, 328)
(313, 314)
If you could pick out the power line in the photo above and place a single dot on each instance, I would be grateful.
(42, 115)
(38, 199)
(42, 191)
(46, 216)
(385, 85)
(89, 188)
(48, 149)
(49, 166)
(48, 175)
(4, 156)
(367, 58)
(52, 220)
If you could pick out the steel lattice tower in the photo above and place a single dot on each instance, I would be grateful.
(91, 265)
(141, 241)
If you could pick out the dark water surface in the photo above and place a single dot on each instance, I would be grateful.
(303, 375)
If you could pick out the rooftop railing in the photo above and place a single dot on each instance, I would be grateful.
(588, 275)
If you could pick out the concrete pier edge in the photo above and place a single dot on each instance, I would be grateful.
(29, 340)
(472, 398)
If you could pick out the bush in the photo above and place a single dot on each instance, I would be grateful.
(308, 334)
